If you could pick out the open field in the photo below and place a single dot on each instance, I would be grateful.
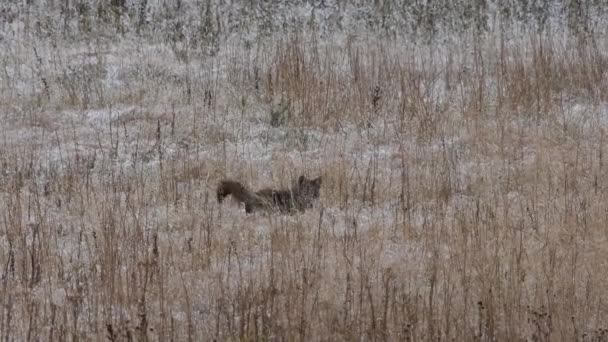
(464, 196)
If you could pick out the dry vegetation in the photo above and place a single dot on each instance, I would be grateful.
(465, 194)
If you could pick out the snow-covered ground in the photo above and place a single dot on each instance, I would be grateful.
(463, 190)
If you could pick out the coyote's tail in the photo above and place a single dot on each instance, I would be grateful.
(236, 189)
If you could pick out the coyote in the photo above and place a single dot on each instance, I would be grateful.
(299, 198)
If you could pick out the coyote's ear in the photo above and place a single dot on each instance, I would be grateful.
(301, 180)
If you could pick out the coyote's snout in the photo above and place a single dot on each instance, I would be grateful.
(299, 198)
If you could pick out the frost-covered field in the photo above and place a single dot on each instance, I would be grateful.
(464, 193)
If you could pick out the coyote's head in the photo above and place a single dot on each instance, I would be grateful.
(309, 190)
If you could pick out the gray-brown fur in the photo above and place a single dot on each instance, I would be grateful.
(299, 198)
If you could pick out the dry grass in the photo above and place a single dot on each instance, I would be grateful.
(464, 193)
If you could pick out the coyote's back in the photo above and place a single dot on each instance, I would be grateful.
(299, 198)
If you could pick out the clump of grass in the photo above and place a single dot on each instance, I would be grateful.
(279, 115)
